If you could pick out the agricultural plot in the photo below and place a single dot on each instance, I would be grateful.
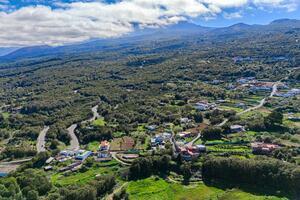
(157, 189)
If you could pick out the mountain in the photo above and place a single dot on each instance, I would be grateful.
(181, 31)
(8, 50)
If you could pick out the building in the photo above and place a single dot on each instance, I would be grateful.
(157, 140)
(263, 148)
(104, 145)
(82, 155)
(151, 127)
(245, 80)
(185, 134)
(262, 86)
(201, 148)
(67, 153)
(189, 153)
(184, 120)
(48, 168)
(103, 154)
(130, 156)
(237, 128)
(49, 160)
(241, 105)
(203, 106)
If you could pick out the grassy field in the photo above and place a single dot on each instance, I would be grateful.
(5, 115)
(81, 178)
(99, 122)
(93, 146)
(152, 189)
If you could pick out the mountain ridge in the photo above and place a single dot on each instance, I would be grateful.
(177, 31)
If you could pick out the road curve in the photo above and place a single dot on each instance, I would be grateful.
(95, 115)
(74, 143)
(41, 140)
(194, 140)
(261, 104)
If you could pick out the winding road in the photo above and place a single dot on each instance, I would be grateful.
(261, 103)
(74, 143)
(40, 144)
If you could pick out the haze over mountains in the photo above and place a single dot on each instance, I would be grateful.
(183, 31)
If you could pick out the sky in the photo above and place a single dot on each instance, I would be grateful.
(59, 22)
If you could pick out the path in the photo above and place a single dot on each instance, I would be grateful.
(74, 143)
(41, 140)
(118, 189)
(114, 155)
(95, 115)
(194, 140)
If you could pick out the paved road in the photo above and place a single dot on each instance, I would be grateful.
(194, 140)
(74, 143)
(41, 140)
(95, 115)
(118, 189)
(16, 161)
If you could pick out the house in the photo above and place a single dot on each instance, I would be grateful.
(157, 140)
(130, 156)
(82, 155)
(185, 134)
(151, 127)
(237, 128)
(189, 153)
(245, 80)
(167, 136)
(262, 86)
(70, 167)
(290, 93)
(49, 160)
(67, 153)
(104, 145)
(241, 105)
(203, 106)
(201, 148)
(48, 168)
(184, 120)
(103, 155)
(263, 148)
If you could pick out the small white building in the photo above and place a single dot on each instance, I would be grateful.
(237, 128)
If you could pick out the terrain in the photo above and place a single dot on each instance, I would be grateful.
(181, 110)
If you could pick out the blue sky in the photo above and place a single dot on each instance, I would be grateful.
(59, 22)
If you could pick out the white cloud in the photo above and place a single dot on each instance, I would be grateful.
(289, 5)
(79, 21)
(234, 15)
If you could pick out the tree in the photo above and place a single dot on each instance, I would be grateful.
(198, 117)
(186, 171)
(212, 133)
(273, 119)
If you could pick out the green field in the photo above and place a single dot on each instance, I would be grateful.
(93, 146)
(5, 115)
(59, 179)
(152, 189)
(99, 122)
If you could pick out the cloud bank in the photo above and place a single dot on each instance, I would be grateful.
(80, 21)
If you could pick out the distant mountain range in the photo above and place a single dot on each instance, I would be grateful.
(177, 31)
